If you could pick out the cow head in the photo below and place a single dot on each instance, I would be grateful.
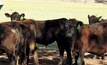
(93, 19)
(71, 26)
(15, 16)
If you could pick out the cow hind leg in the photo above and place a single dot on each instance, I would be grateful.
(11, 58)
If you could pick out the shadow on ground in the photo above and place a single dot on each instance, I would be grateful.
(51, 57)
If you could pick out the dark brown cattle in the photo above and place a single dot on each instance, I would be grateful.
(94, 19)
(90, 38)
(9, 36)
(48, 31)
(15, 16)
(14, 40)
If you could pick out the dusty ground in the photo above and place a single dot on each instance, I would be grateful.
(51, 57)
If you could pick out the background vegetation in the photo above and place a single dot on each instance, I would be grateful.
(42, 10)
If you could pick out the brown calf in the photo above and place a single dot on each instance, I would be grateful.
(15, 40)
(90, 38)
(15, 16)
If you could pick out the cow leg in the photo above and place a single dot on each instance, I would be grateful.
(80, 60)
(24, 61)
(33, 49)
(61, 51)
(76, 58)
(11, 54)
(102, 56)
(17, 60)
(24, 55)
(69, 58)
(35, 57)
(11, 58)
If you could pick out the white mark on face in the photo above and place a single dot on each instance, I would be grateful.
(13, 30)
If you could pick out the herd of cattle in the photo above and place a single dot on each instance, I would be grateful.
(19, 36)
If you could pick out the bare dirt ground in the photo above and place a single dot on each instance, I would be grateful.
(51, 57)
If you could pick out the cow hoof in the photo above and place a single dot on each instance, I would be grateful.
(60, 63)
(83, 63)
(68, 63)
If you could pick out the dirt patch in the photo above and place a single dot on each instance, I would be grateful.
(51, 57)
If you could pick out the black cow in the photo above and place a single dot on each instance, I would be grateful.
(15, 16)
(90, 38)
(48, 31)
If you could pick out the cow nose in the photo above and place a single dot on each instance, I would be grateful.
(13, 20)
(70, 34)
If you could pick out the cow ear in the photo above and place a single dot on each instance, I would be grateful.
(88, 16)
(7, 15)
(78, 25)
(99, 18)
(22, 16)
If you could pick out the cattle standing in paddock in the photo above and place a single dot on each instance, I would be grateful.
(15, 16)
(48, 31)
(14, 40)
(94, 19)
(90, 38)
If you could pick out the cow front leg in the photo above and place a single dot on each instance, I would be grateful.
(69, 58)
(102, 56)
(33, 50)
(61, 51)
(35, 58)
(80, 60)
(17, 60)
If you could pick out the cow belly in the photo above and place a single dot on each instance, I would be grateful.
(44, 41)
(97, 49)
